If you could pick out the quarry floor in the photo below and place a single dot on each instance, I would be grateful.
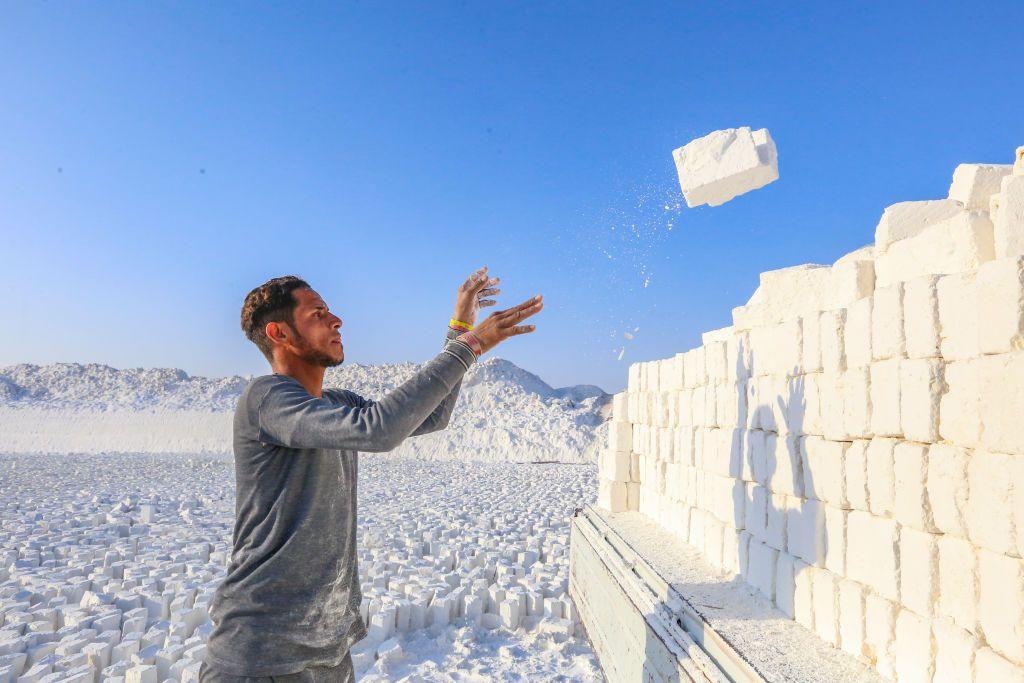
(468, 509)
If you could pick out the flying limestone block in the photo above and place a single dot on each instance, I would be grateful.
(725, 164)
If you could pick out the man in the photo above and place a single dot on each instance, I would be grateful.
(288, 609)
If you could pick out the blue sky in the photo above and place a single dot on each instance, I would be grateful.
(158, 160)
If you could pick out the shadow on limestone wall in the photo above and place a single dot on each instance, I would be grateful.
(773, 501)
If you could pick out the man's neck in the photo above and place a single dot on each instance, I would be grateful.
(309, 376)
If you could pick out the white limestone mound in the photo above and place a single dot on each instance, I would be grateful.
(725, 164)
(503, 412)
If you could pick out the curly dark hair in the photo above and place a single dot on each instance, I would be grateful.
(270, 302)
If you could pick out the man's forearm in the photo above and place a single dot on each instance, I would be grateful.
(439, 418)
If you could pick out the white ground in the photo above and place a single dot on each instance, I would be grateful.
(76, 554)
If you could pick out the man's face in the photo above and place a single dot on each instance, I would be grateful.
(317, 330)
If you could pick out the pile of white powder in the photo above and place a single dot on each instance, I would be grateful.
(504, 413)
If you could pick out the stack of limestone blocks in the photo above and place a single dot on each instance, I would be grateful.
(853, 445)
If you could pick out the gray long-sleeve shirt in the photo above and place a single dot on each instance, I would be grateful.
(291, 596)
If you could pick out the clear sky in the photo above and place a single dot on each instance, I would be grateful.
(159, 160)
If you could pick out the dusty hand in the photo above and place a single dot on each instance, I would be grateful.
(501, 325)
(473, 295)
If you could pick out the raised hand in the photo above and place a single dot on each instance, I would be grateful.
(473, 295)
(501, 325)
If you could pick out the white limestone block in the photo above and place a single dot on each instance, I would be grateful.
(653, 373)
(1001, 401)
(620, 436)
(810, 351)
(833, 348)
(743, 541)
(785, 584)
(730, 549)
(856, 475)
(958, 315)
(921, 317)
(826, 599)
(857, 333)
(881, 476)
(872, 552)
(992, 499)
(761, 561)
(722, 334)
(910, 468)
(919, 570)
(144, 673)
(695, 371)
(779, 505)
(776, 349)
(851, 278)
(908, 219)
(886, 398)
(1007, 211)
(803, 593)
(724, 164)
(783, 464)
(755, 510)
(612, 495)
(880, 634)
(960, 406)
(786, 294)
(920, 393)
(947, 488)
(852, 617)
(832, 406)
(974, 184)
(714, 530)
(1001, 603)
(835, 539)
(915, 652)
(756, 453)
(956, 245)
(887, 323)
(508, 610)
(803, 405)
(856, 393)
(823, 466)
(737, 349)
(614, 465)
(1000, 305)
(805, 531)
(989, 666)
(731, 405)
(632, 495)
(958, 582)
(667, 375)
(390, 651)
(716, 361)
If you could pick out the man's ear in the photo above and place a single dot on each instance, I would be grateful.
(275, 332)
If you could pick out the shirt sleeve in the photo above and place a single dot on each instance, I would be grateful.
(442, 414)
(289, 416)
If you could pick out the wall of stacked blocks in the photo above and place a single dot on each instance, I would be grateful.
(853, 445)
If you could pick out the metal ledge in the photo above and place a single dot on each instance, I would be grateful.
(641, 628)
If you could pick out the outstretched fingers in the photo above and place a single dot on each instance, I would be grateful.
(477, 280)
(519, 313)
(522, 329)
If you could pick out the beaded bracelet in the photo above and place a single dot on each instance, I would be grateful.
(459, 325)
(473, 342)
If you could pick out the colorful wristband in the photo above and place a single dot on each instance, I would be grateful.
(473, 342)
(459, 325)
